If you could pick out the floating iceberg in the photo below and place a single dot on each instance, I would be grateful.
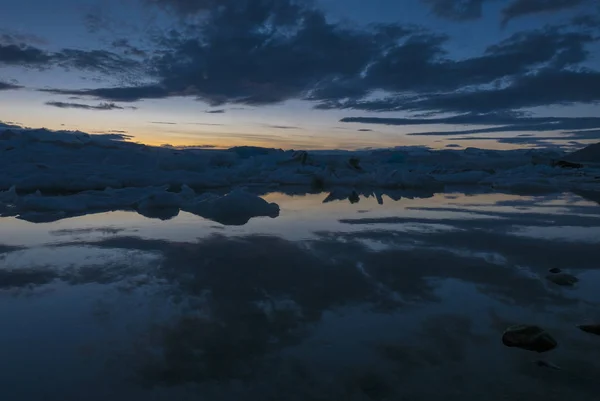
(235, 208)
(66, 173)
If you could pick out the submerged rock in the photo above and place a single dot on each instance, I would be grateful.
(590, 328)
(555, 270)
(563, 279)
(528, 337)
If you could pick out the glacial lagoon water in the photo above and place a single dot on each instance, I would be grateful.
(402, 296)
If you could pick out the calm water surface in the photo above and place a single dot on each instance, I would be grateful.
(343, 300)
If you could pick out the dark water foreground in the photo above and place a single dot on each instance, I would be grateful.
(330, 301)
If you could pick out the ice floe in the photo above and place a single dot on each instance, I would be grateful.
(55, 173)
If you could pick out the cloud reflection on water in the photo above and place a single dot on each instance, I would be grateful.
(260, 316)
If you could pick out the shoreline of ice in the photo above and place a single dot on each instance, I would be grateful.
(64, 173)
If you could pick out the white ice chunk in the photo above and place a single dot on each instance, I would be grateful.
(235, 208)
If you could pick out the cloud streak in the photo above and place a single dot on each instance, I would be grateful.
(282, 126)
(22, 54)
(569, 128)
(465, 10)
(81, 106)
(8, 86)
(520, 8)
(504, 122)
(567, 139)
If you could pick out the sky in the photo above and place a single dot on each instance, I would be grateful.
(306, 73)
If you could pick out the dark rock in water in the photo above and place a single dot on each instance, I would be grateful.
(555, 270)
(563, 279)
(566, 164)
(545, 364)
(531, 338)
(590, 328)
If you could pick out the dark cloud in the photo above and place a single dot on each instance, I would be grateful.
(128, 48)
(283, 127)
(572, 129)
(250, 65)
(8, 86)
(101, 106)
(307, 57)
(547, 87)
(519, 8)
(418, 71)
(23, 55)
(23, 50)
(470, 118)
(12, 38)
(545, 142)
(101, 61)
(458, 10)
(571, 138)
(261, 52)
(257, 52)
(118, 94)
(218, 111)
(463, 10)
(543, 88)
(163, 122)
(98, 61)
(502, 122)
